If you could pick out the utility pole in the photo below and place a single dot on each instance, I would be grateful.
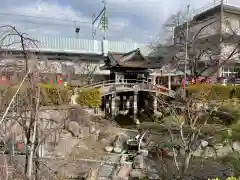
(186, 54)
(105, 14)
(221, 38)
(103, 24)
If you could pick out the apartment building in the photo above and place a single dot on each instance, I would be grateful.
(208, 27)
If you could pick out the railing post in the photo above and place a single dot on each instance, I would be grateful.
(135, 108)
(155, 103)
(113, 105)
(169, 81)
(107, 106)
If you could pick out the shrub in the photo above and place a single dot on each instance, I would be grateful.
(229, 178)
(54, 94)
(235, 92)
(209, 91)
(50, 94)
(90, 97)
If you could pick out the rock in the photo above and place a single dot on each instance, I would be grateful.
(74, 128)
(170, 152)
(210, 152)
(218, 146)
(143, 143)
(120, 140)
(198, 152)
(137, 121)
(236, 146)
(117, 149)
(138, 162)
(153, 177)
(204, 143)
(81, 146)
(124, 171)
(85, 131)
(90, 111)
(92, 129)
(151, 144)
(225, 150)
(137, 173)
(104, 137)
(144, 152)
(109, 148)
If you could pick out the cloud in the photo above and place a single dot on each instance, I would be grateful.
(131, 20)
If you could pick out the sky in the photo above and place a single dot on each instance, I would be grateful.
(129, 20)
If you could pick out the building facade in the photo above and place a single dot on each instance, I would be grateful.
(215, 32)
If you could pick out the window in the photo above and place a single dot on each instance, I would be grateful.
(229, 72)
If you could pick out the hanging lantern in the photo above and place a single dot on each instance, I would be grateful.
(59, 79)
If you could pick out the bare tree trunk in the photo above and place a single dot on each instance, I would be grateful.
(185, 166)
(28, 143)
(37, 164)
(32, 149)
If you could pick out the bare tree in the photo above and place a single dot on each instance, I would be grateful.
(205, 54)
(21, 118)
(13, 38)
(188, 125)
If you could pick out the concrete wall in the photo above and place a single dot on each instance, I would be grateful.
(234, 21)
(209, 29)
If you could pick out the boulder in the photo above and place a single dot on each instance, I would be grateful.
(153, 176)
(198, 152)
(117, 149)
(144, 152)
(236, 146)
(85, 131)
(139, 162)
(74, 128)
(92, 129)
(120, 140)
(109, 148)
(204, 143)
(210, 152)
(225, 150)
(124, 171)
(218, 146)
(173, 151)
(137, 173)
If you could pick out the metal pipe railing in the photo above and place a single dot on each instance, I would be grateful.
(234, 3)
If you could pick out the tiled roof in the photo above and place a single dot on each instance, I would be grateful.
(131, 59)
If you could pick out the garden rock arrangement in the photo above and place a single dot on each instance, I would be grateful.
(214, 150)
(133, 163)
(139, 164)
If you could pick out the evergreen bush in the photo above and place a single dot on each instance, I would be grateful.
(90, 97)
(210, 91)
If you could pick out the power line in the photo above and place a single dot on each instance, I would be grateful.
(45, 18)
(51, 19)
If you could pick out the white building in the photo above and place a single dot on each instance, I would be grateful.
(207, 28)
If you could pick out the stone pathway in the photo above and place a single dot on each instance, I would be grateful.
(107, 169)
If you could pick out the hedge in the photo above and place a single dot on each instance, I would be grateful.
(52, 94)
(229, 178)
(90, 97)
(213, 91)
